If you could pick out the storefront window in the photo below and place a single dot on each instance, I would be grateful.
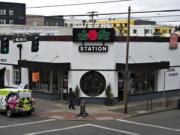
(17, 75)
(49, 81)
(92, 83)
(40, 80)
(139, 82)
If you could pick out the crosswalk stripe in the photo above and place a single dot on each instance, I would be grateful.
(28, 123)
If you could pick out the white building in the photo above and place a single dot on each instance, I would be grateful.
(61, 63)
(30, 30)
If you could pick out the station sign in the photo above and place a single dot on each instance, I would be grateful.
(93, 35)
(98, 36)
(93, 48)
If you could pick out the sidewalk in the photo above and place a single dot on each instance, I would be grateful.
(60, 110)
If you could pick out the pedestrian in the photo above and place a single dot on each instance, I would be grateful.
(71, 97)
(83, 111)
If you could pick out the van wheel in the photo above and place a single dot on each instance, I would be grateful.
(28, 113)
(9, 113)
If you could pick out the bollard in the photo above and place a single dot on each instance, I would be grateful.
(147, 107)
(178, 104)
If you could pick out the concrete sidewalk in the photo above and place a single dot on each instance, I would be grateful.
(60, 110)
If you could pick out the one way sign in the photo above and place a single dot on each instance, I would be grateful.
(19, 39)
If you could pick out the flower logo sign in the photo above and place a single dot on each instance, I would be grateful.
(93, 35)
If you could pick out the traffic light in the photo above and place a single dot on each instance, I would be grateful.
(35, 44)
(4, 46)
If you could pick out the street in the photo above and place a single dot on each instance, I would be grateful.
(162, 123)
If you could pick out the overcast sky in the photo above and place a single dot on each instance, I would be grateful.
(136, 5)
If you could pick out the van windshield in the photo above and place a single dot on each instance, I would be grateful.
(24, 94)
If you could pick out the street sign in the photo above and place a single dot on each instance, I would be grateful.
(19, 39)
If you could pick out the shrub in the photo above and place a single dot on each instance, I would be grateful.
(108, 93)
(77, 92)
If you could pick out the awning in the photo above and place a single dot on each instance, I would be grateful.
(143, 66)
(44, 65)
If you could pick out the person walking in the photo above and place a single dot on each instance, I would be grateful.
(83, 111)
(71, 97)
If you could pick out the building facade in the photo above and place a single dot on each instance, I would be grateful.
(138, 27)
(61, 62)
(12, 13)
(34, 30)
(35, 20)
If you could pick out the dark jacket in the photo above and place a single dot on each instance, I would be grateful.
(71, 96)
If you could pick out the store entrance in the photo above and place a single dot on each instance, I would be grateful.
(49, 82)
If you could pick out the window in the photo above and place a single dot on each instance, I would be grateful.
(11, 12)
(141, 82)
(93, 83)
(66, 25)
(17, 75)
(125, 25)
(147, 31)
(71, 25)
(125, 31)
(2, 11)
(134, 31)
(11, 21)
(2, 21)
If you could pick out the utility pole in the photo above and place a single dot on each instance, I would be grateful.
(126, 73)
(92, 14)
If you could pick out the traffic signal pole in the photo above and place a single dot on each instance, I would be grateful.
(19, 46)
(126, 73)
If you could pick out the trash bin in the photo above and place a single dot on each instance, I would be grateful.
(178, 104)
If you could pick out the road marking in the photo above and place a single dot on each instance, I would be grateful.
(55, 130)
(149, 125)
(114, 130)
(28, 123)
(84, 125)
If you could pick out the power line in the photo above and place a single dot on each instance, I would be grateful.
(77, 4)
(170, 21)
(143, 17)
(134, 12)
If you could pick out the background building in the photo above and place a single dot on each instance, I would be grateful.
(138, 27)
(35, 20)
(12, 13)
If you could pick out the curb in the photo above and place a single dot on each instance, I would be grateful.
(150, 112)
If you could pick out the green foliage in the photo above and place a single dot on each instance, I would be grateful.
(108, 92)
(77, 92)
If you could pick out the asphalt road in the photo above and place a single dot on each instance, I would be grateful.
(163, 123)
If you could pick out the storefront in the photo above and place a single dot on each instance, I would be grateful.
(70, 61)
(49, 78)
(142, 77)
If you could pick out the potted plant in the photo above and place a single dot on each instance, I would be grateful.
(77, 95)
(109, 96)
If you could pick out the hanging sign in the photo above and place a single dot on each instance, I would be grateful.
(173, 41)
(35, 76)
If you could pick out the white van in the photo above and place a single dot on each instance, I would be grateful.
(16, 101)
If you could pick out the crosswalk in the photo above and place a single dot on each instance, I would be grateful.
(54, 126)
